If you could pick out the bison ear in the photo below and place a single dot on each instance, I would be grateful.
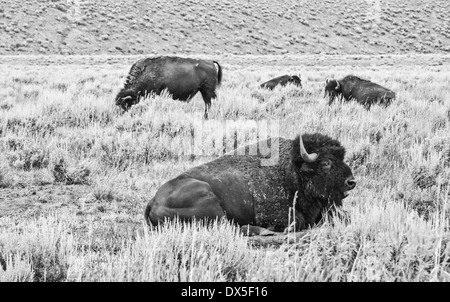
(306, 168)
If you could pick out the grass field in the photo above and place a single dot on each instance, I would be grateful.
(76, 173)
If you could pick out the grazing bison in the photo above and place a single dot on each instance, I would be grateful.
(258, 197)
(364, 92)
(282, 81)
(182, 77)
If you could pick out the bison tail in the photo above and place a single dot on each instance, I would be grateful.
(219, 72)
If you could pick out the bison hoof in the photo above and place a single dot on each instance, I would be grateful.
(251, 230)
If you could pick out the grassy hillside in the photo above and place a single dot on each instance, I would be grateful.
(224, 27)
(76, 173)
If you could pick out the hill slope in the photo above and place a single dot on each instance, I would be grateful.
(224, 26)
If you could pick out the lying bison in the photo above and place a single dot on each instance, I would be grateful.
(282, 81)
(364, 92)
(182, 77)
(258, 197)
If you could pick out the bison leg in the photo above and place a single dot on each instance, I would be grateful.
(207, 96)
(186, 198)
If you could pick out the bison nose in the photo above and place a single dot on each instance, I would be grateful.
(350, 183)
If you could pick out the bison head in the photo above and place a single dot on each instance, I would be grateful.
(296, 80)
(332, 89)
(323, 178)
(126, 98)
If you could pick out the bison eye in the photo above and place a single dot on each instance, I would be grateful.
(325, 164)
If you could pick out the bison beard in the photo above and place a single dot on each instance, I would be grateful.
(239, 188)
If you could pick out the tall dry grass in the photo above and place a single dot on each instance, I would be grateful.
(59, 128)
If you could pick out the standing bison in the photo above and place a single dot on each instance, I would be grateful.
(182, 77)
(258, 197)
(364, 92)
(282, 81)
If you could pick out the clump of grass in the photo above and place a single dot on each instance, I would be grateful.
(59, 86)
(6, 106)
(76, 176)
(104, 193)
(29, 158)
(60, 171)
(37, 250)
(86, 80)
(15, 269)
(359, 157)
(3, 181)
(375, 136)
(32, 125)
(259, 95)
(438, 123)
(424, 202)
(424, 177)
(25, 80)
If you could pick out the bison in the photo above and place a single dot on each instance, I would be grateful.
(282, 81)
(182, 77)
(363, 91)
(310, 170)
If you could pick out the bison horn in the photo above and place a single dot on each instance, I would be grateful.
(337, 85)
(327, 81)
(309, 158)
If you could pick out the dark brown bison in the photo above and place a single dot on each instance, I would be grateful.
(182, 77)
(282, 81)
(364, 92)
(258, 197)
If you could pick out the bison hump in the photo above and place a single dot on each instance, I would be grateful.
(135, 72)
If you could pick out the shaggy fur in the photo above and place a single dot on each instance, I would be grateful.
(181, 77)
(239, 188)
